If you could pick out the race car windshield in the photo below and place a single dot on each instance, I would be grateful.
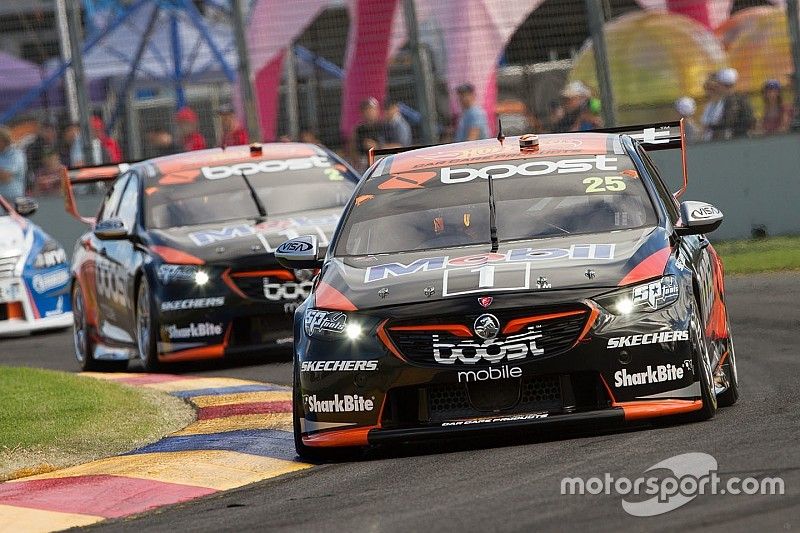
(218, 193)
(536, 197)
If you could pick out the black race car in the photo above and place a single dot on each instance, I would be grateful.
(179, 262)
(507, 284)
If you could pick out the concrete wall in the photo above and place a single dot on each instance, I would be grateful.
(753, 182)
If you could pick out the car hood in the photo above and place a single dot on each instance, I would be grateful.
(600, 261)
(245, 239)
(12, 237)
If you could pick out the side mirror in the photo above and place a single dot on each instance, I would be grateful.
(25, 206)
(698, 218)
(110, 230)
(299, 253)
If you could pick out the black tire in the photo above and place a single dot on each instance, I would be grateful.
(730, 395)
(82, 339)
(146, 324)
(699, 342)
(312, 454)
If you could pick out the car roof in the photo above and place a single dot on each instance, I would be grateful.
(185, 166)
(487, 150)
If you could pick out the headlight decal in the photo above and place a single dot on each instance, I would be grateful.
(643, 298)
(325, 324)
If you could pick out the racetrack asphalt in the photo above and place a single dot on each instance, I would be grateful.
(513, 486)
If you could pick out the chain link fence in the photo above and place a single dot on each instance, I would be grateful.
(355, 74)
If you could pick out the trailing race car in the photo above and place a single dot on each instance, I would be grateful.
(34, 273)
(507, 284)
(179, 264)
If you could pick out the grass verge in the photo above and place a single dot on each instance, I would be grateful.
(760, 255)
(50, 419)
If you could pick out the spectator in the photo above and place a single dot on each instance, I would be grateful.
(72, 148)
(398, 132)
(555, 112)
(737, 114)
(233, 134)
(369, 133)
(472, 124)
(590, 118)
(188, 123)
(712, 112)
(776, 115)
(47, 179)
(575, 98)
(12, 167)
(309, 136)
(160, 142)
(686, 108)
(111, 150)
(45, 142)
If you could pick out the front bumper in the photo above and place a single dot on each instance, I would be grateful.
(617, 370)
(40, 306)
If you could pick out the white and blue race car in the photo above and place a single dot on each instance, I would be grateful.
(34, 274)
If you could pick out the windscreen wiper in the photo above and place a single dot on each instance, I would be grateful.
(262, 211)
(492, 215)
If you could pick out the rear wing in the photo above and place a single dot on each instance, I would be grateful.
(658, 136)
(86, 176)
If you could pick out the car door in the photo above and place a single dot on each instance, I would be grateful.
(120, 261)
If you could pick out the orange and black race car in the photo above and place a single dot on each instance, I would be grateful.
(503, 285)
(179, 262)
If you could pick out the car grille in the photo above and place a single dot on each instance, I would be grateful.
(278, 286)
(459, 400)
(558, 330)
(7, 266)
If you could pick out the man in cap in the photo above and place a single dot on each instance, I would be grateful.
(12, 167)
(472, 124)
(575, 97)
(187, 124)
(233, 134)
(686, 108)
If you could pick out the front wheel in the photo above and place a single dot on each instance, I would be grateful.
(731, 393)
(145, 326)
(703, 360)
(82, 338)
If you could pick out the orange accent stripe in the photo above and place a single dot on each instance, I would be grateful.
(518, 323)
(722, 359)
(339, 437)
(329, 298)
(14, 310)
(593, 314)
(650, 267)
(226, 277)
(608, 390)
(277, 273)
(382, 335)
(639, 410)
(653, 408)
(176, 257)
(459, 330)
(683, 161)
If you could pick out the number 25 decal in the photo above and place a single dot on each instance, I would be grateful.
(609, 183)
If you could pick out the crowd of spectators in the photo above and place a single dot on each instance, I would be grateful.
(726, 114)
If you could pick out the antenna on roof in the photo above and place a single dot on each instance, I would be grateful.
(500, 136)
